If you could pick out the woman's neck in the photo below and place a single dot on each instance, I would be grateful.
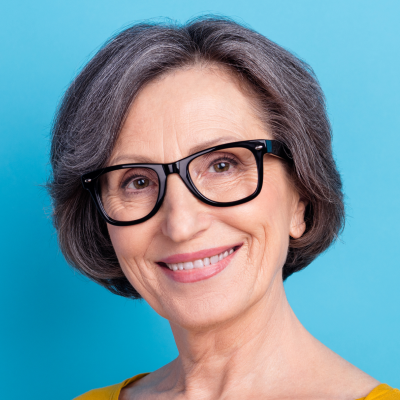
(262, 346)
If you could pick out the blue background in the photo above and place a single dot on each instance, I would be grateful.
(62, 335)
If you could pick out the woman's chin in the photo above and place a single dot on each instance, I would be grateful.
(209, 303)
(202, 322)
(205, 314)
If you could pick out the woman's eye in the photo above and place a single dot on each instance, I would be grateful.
(140, 183)
(221, 167)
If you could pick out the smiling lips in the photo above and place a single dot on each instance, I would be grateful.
(193, 267)
(200, 263)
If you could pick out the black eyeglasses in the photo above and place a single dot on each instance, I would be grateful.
(221, 176)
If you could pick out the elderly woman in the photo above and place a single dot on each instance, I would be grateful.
(192, 167)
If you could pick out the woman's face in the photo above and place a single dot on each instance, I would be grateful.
(182, 113)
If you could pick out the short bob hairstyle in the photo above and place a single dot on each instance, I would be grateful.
(97, 102)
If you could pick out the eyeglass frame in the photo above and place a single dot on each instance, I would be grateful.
(258, 147)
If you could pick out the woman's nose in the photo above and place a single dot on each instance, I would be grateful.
(184, 216)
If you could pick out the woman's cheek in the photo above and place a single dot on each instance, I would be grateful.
(265, 221)
(130, 241)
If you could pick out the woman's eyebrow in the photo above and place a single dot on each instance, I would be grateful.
(142, 159)
(131, 159)
(211, 143)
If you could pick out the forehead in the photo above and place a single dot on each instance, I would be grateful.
(185, 110)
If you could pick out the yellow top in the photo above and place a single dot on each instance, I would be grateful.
(109, 392)
(381, 392)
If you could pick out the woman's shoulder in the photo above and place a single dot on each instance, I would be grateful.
(105, 393)
(383, 392)
(109, 392)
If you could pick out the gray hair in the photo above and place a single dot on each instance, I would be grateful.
(96, 104)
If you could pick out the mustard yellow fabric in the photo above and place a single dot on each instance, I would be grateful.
(381, 392)
(109, 392)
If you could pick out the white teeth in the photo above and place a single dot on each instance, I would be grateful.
(188, 265)
(200, 263)
(214, 259)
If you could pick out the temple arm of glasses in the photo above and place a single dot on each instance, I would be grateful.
(278, 149)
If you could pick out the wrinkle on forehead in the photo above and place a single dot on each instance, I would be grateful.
(184, 109)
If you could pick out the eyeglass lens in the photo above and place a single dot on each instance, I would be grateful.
(223, 176)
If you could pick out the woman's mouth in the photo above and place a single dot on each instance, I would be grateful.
(193, 267)
(200, 263)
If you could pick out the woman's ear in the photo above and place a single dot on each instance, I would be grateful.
(297, 224)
